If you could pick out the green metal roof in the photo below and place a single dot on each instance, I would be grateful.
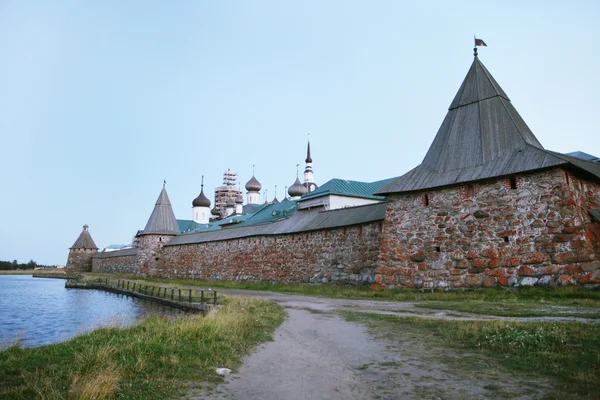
(273, 212)
(348, 188)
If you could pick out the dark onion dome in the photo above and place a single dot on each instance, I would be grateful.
(201, 200)
(239, 199)
(230, 203)
(253, 185)
(215, 211)
(297, 189)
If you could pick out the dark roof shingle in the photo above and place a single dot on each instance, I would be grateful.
(482, 136)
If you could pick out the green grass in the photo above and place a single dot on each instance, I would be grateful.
(572, 308)
(559, 296)
(157, 359)
(568, 353)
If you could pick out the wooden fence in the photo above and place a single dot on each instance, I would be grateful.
(174, 294)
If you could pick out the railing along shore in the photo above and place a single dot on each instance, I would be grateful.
(186, 299)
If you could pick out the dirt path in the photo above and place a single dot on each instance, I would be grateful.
(318, 355)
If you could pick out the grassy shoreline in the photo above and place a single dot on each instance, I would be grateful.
(156, 359)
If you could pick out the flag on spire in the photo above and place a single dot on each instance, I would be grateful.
(479, 42)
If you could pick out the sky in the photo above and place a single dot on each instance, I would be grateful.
(102, 101)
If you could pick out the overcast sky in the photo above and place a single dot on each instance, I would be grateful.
(102, 100)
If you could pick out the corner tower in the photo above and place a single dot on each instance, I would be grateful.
(81, 253)
(491, 206)
(161, 227)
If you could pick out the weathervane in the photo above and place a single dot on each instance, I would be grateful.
(478, 42)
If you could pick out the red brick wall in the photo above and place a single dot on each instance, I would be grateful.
(488, 234)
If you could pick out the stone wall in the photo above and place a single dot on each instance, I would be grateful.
(148, 250)
(342, 255)
(80, 260)
(491, 234)
(115, 264)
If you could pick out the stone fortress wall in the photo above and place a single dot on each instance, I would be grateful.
(477, 235)
(116, 262)
(489, 234)
(341, 255)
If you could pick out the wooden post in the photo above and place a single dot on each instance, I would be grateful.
(190, 295)
(179, 294)
(215, 295)
(172, 292)
(152, 291)
(127, 285)
(201, 296)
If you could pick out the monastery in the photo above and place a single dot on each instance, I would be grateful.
(488, 206)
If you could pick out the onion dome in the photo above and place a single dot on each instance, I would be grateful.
(239, 199)
(253, 185)
(214, 211)
(230, 203)
(297, 189)
(201, 200)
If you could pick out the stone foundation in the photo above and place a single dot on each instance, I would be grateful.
(489, 234)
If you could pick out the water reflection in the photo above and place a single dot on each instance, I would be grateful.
(41, 311)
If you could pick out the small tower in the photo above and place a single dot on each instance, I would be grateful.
(161, 227)
(309, 176)
(239, 204)
(81, 253)
(201, 207)
(253, 187)
(297, 190)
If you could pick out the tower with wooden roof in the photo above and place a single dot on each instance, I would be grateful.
(489, 205)
(160, 228)
(81, 253)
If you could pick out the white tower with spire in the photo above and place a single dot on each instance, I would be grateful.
(309, 176)
(201, 207)
(253, 187)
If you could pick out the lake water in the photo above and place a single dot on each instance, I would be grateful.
(41, 311)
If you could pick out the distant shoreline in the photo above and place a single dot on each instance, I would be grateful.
(18, 272)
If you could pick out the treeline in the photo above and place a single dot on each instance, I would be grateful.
(8, 266)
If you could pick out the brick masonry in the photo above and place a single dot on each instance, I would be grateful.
(345, 255)
(490, 234)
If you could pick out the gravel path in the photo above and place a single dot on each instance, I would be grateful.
(318, 355)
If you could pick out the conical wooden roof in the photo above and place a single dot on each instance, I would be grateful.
(162, 221)
(84, 241)
(482, 136)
